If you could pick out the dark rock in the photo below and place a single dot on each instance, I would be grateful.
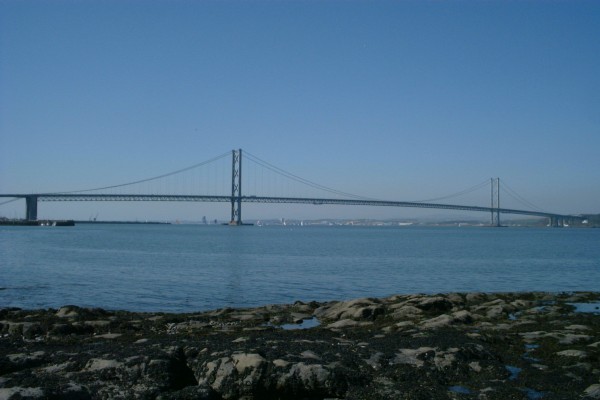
(434, 304)
(405, 347)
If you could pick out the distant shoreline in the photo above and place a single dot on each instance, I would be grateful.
(124, 222)
(50, 222)
(593, 223)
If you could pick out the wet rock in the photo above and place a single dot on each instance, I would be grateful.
(475, 366)
(444, 320)
(347, 323)
(245, 361)
(533, 335)
(455, 298)
(281, 363)
(297, 318)
(31, 330)
(475, 297)
(592, 392)
(169, 372)
(572, 338)
(435, 304)
(187, 326)
(403, 346)
(359, 309)
(521, 304)
(572, 353)
(310, 354)
(21, 393)
(20, 361)
(578, 327)
(230, 378)
(97, 364)
(415, 357)
(496, 311)
(309, 380)
(375, 360)
(406, 311)
(68, 312)
(61, 329)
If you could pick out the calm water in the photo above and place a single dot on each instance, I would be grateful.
(193, 268)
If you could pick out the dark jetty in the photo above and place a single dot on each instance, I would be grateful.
(44, 222)
(447, 346)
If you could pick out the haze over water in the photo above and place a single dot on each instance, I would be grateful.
(184, 268)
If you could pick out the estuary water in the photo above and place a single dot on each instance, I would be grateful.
(185, 268)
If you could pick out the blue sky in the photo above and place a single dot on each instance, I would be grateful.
(396, 100)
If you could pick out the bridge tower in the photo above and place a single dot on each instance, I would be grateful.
(31, 209)
(236, 187)
(495, 208)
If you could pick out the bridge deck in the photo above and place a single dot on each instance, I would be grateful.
(281, 200)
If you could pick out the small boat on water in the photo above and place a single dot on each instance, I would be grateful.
(56, 223)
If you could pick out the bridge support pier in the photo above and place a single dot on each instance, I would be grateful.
(236, 188)
(495, 207)
(31, 209)
(557, 221)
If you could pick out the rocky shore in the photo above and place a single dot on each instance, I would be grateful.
(447, 346)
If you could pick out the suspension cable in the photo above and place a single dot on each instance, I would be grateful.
(153, 178)
(512, 193)
(298, 179)
(462, 192)
(10, 201)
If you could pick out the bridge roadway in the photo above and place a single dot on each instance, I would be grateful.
(286, 200)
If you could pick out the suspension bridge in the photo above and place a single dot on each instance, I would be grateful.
(236, 197)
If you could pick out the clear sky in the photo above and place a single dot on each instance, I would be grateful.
(400, 100)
